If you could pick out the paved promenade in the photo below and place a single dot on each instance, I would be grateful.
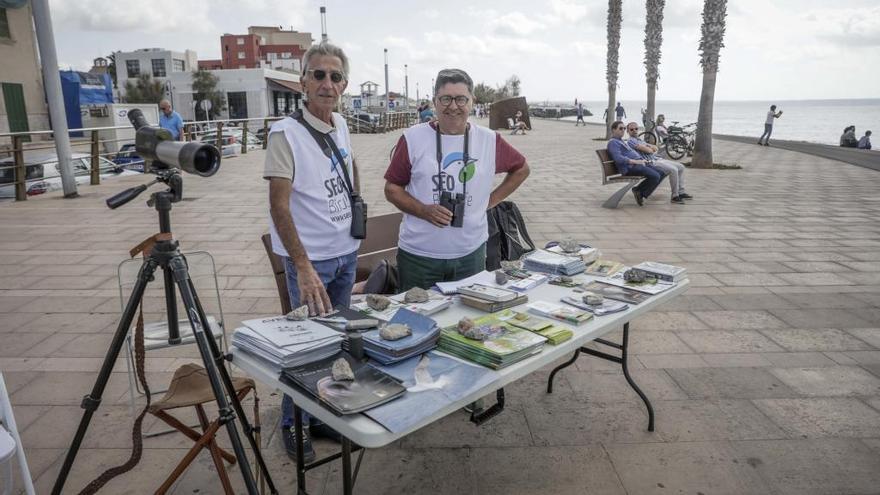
(765, 375)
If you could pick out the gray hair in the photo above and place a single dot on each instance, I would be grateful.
(453, 76)
(325, 49)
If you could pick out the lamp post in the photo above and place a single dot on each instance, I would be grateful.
(323, 24)
(387, 91)
(406, 84)
(418, 99)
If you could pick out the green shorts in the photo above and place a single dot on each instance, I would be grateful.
(419, 271)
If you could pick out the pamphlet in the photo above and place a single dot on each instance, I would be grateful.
(646, 287)
(603, 268)
(617, 293)
(560, 312)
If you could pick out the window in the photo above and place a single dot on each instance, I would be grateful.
(239, 41)
(285, 54)
(133, 67)
(158, 67)
(4, 25)
(178, 65)
(240, 55)
(237, 103)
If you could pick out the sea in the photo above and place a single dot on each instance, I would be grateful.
(816, 121)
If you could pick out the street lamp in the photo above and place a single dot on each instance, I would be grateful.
(387, 91)
(406, 84)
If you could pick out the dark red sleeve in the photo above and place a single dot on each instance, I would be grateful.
(507, 159)
(400, 169)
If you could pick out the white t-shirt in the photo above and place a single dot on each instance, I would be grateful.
(319, 202)
(770, 116)
(422, 238)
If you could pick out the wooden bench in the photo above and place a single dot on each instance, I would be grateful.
(610, 176)
(381, 243)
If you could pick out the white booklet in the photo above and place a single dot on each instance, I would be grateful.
(282, 332)
(484, 277)
(647, 288)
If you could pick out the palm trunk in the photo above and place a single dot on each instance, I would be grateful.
(652, 91)
(609, 118)
(703, 142)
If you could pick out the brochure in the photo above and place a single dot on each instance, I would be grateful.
(560, 312)
(617, 293)
(646, 287)
(603, 268)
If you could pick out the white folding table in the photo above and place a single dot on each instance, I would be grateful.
(366, 433)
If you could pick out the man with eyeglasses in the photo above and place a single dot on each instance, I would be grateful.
(441, 178)
(630, 162)
(310, 206)
(674, 170)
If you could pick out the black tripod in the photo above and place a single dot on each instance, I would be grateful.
(166, 254)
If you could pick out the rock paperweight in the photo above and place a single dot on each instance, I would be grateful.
(501, 278)
(394, 331)
(592, 298)
(416, 295)
(569, 245)
(298, 314)
(341, 371)
(377, 302)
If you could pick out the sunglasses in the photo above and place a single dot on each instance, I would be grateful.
(320, 74)
(447, 100)
(633, 129)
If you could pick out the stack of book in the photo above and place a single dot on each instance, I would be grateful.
(370, 387)
(555, 334)
(607, 306)
(558, 264)
(282, 343)
(664, 272)
(425, 334)
(490, 299)
(587, 253)
(512, 345)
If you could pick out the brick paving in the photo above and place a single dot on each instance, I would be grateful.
(765, 375)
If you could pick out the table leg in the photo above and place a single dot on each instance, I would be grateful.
(559, 368)
(347, 483)
(300, 464)
(624, 354)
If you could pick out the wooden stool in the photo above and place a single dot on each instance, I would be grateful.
(190, 387)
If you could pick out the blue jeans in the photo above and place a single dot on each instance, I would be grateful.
(652, 179)
(338, 277)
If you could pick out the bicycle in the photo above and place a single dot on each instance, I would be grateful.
(680, 140)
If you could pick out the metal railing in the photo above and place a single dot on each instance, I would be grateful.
(231, 136)
(387, 121)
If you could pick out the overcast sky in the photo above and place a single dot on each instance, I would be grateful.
(775, 49)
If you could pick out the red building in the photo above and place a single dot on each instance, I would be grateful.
(267, 47)
(240, 51)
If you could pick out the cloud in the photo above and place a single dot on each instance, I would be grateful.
(127, 16)
(853, 28)
(569, 10)
(515, 24)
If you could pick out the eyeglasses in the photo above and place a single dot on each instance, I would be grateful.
(320, 74)
(447, 100)
(632, 129)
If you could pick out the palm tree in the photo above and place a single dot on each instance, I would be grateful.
(711, 41)
(615, 19)
(653, 41)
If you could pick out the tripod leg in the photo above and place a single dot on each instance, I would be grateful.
(230, 389)
(198, 324)
(91, 402)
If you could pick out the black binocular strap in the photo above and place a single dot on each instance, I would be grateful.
(328, 146)
(465, 158)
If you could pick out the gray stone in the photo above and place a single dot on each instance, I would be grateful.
(719, 419)
(824, 339)
(822, 417)
(739, 320)
(729, 383)
(812, 467)
(829, 381)
(727, 341)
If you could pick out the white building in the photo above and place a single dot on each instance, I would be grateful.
(159, 63)
(250, 93)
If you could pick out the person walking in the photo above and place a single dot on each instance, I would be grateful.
(768, 125)
(619, 111)
(310, 207)
(580, 115)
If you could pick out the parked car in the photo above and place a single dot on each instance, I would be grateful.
(43, 175)
(232, 141)
(128, 158)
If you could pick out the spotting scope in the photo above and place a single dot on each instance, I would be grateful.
(160, 151)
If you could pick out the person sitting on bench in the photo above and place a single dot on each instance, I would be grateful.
(630, 162)
(673, 169)
(518, 123)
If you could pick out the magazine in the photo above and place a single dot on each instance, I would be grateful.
(603, 268)
(649, 287)
(560, 312)
(370, 387)
(622, 294)
(606, 307)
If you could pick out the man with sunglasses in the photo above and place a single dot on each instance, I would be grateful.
(630, 162)
(310, 195)
(674, 170)
(445, 164)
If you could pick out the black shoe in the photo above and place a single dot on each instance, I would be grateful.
(288, 435)
(685, 196)
(678, 199)
(321, 430)
(760, 143)
(638, 196)
(767, 144)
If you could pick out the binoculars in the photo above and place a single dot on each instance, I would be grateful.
(454, 202)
